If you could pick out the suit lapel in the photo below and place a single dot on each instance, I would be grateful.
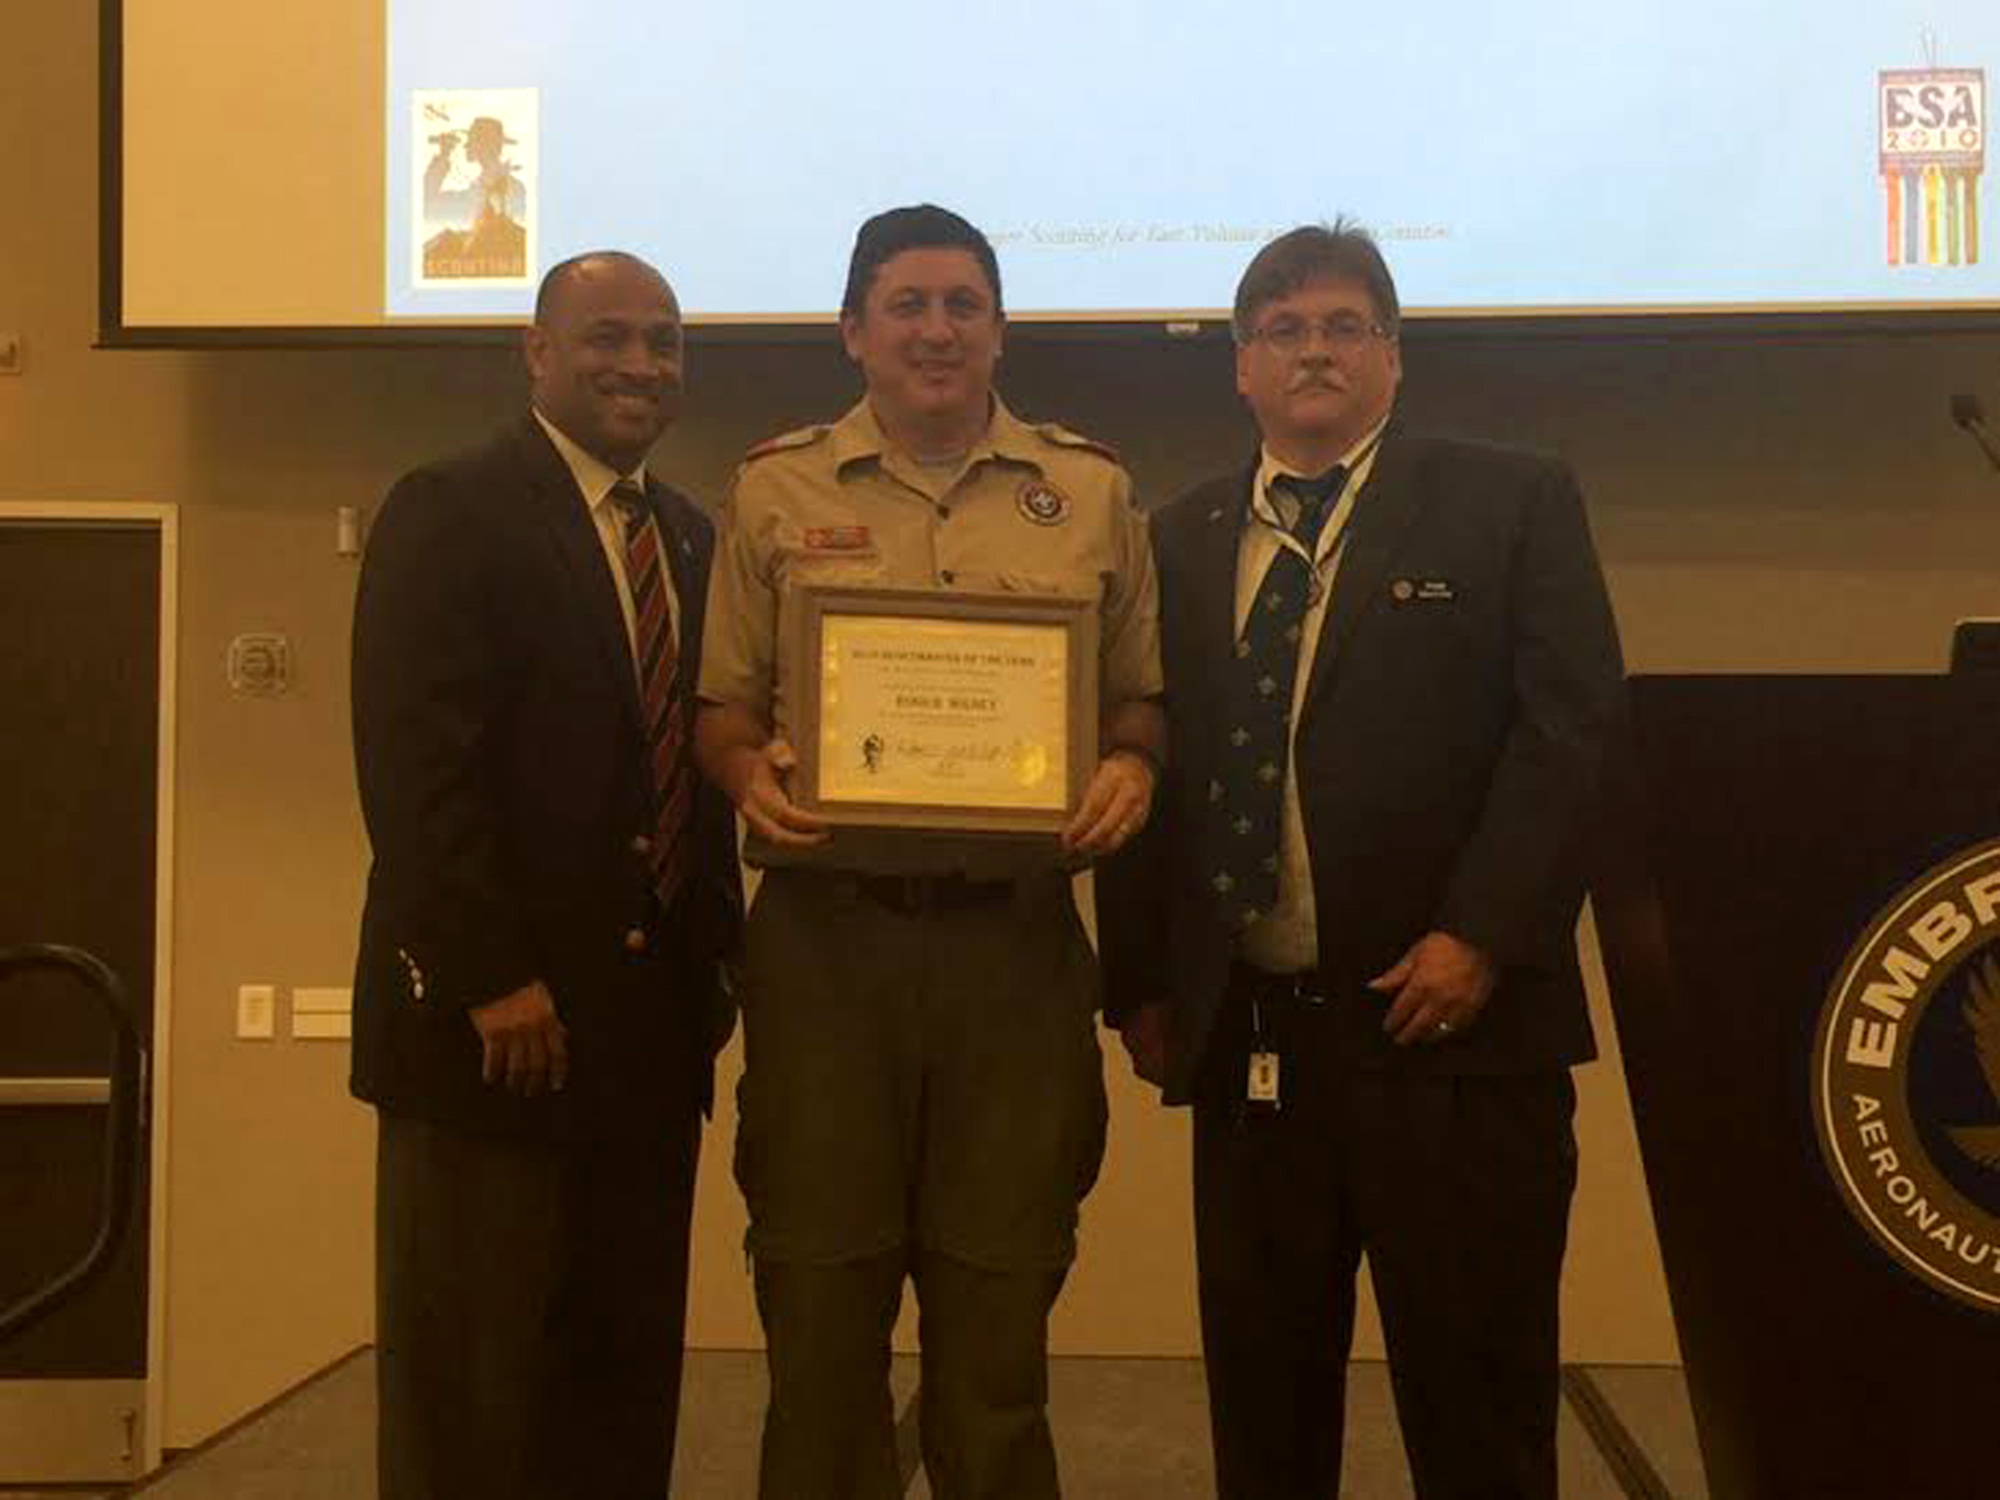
(680, 541)
(1383, 513)
(1212, 578)
(679, 547)
(566, 522)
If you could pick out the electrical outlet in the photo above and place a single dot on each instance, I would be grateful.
(12, 356)
(256, 1012)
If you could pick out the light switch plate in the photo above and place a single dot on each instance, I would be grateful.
(256, 1012)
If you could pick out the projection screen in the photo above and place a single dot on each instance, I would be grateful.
(389, 167)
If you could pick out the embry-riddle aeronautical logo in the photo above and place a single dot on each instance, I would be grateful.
(1906, 1078)
(1932, 150)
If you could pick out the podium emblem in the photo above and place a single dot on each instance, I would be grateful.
(1906, 1078)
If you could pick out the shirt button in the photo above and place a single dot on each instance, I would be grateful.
(945, 575)
(635, 940)
(641, 845)
(944, 512)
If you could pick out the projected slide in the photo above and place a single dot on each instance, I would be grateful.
(1127, 156)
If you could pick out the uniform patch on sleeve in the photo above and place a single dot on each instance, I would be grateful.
(1042, 503)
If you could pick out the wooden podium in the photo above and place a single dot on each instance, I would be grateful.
(1757, 831)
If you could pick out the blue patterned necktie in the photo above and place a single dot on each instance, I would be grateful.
(1246, 798)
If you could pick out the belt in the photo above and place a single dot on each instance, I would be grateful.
(923, 895)
(1261, 984)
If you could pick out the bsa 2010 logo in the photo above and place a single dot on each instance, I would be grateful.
(1932, 150)
(1906, 1078)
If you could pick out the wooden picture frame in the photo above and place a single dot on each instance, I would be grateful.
(939, 711)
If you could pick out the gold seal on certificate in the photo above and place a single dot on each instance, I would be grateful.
(926, 709)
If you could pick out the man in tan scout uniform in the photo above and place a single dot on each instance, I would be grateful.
(922, 1094)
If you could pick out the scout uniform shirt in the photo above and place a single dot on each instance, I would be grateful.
(1033, 509)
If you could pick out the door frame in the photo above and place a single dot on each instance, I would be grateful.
(165, 519)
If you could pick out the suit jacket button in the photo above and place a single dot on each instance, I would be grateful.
(641, 845)
(635, 940)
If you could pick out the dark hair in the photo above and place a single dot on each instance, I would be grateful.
(1315, 252)
(560, 273)
(921, 226)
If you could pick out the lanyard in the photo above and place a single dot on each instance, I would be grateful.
(1328, 544)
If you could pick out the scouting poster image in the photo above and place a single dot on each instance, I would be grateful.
(475, 188)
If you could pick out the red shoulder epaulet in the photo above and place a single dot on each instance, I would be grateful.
(785, 442)
(1062, 437)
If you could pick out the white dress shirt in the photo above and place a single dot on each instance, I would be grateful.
(595, 480)
(1285, 940)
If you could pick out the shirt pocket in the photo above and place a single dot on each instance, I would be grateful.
(1074, 582)
(849, 566)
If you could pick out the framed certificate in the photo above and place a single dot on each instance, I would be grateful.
(956, 712)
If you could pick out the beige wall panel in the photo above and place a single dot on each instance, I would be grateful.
(1614, 1307)
(722, 1313)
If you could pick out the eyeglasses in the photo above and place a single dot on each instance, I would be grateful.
(1345, 333)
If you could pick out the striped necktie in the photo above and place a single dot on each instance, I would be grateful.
(1246, 798)
(661, 704)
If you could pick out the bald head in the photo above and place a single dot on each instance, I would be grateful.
(604, 355)
(564, 275)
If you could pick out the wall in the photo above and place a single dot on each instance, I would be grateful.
(1762, 503)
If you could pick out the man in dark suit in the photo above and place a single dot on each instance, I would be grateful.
(1348, 938)
(538, 997)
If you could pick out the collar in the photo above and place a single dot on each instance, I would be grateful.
(594, 477)
(858, 436)
(1359, 461)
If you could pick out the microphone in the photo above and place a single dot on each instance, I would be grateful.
(1968, 413)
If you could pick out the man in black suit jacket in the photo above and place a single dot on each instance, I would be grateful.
(1348, 938)
(538, 997)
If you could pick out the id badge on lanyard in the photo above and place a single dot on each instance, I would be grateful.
(1263, 1083)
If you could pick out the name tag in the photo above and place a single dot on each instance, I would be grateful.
(1423, 591)
(837, 539)
(1263, 1078)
